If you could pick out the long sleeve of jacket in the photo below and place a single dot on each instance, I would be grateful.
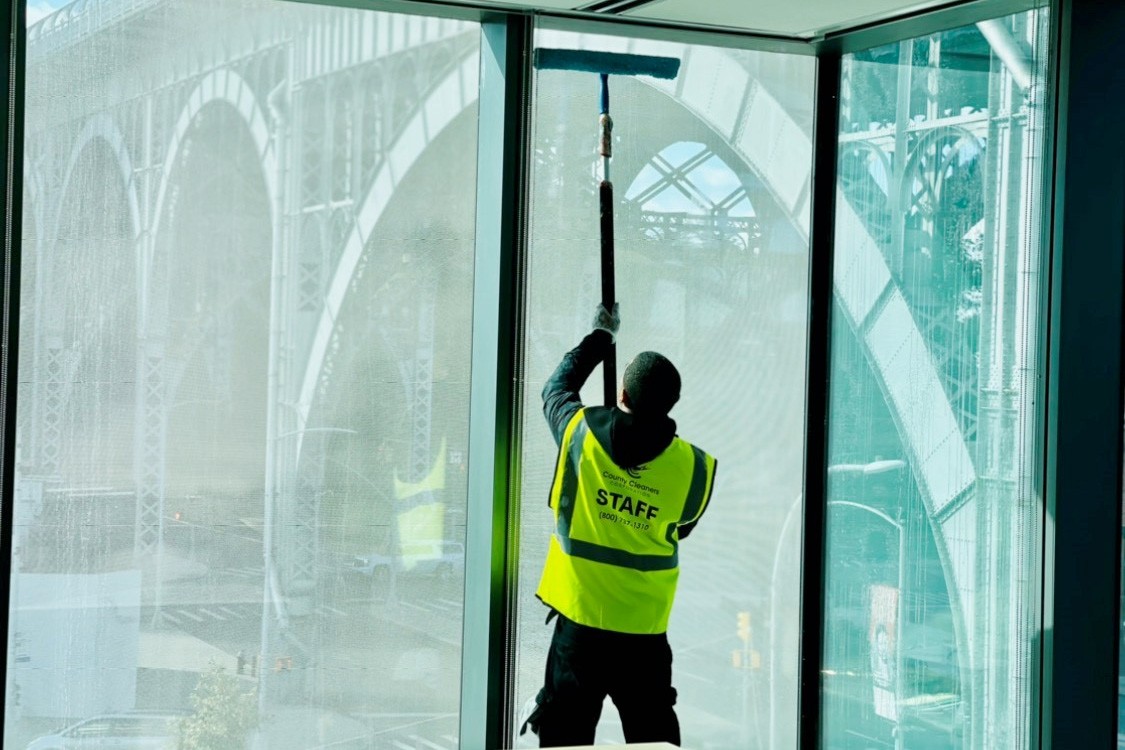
(560, 393)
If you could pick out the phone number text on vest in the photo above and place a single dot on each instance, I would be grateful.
(625, 509)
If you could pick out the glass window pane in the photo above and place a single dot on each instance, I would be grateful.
(934, 518)
(711, 175)
(243, 406)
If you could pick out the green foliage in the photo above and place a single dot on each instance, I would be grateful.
(224, 714)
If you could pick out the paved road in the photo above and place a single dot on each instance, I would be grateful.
(386, 656)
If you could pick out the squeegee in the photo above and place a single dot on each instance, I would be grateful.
(606, 64)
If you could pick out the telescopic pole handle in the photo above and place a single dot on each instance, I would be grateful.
(605, 210)
(609, 365)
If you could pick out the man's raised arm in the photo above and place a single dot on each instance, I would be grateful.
(560, 393)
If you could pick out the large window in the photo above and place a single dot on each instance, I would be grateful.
(242, 418)
(711, 173)
(243, 404)
(934, 515)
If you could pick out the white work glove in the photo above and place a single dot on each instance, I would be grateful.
(606, 321)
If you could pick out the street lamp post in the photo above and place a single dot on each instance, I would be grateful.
(869, 469)
(773, 655)
(866, 470)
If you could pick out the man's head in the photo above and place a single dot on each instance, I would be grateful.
(651, 385)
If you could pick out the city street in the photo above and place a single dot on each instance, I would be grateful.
(365, 663)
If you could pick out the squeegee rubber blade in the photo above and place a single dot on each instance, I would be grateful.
(613, 63)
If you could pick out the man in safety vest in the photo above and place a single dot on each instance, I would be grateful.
(626, 490)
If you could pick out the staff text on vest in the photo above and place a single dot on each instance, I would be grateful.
(625, 504)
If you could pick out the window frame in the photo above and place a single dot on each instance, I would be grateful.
(13, 45)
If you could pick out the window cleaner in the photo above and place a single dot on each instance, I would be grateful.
(626, 490)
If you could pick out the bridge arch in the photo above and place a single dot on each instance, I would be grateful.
(102, 127)
(210, 281)
(94, 225)
(219, 87)
(228, 87)
(451, 96)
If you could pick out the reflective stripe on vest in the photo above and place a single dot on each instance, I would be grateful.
(632, 541)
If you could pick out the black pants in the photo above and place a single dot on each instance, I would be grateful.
(585, 664)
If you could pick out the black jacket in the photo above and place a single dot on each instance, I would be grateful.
(629, 439)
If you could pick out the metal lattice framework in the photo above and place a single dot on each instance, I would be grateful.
(422, 387)
(151, 441)
(51, 444)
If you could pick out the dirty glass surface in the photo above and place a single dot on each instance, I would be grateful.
(711, 176)
(243, 396)
(934, 511)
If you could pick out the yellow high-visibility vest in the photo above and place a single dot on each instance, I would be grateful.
(613, 560)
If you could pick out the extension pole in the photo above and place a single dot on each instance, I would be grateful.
(605, 206)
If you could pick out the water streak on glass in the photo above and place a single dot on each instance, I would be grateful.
(243, 396)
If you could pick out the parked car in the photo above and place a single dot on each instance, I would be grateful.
(441, 560)
(131, 730)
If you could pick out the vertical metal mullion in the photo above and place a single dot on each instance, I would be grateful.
(1082, 549)
(14, 15)
(825, 147)
(501, 243)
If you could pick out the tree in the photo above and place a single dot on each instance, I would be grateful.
(223, 715)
